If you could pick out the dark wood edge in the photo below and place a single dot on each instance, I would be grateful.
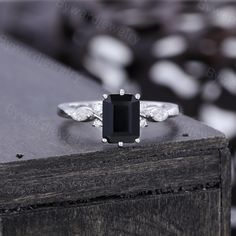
(225, 158)
(169, 149)
(1, 227)
(95, 175)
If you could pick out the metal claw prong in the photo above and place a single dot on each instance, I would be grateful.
(122, 92)
(105, 96)
(137, 96)
(137, 140)
(104, 140)
(120, 144)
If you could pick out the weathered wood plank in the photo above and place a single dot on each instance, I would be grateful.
(93, 176)
(225, 191)
(188, 214)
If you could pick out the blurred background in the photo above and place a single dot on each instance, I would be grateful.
(177, 51)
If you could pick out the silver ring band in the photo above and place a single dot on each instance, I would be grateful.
(92, 110)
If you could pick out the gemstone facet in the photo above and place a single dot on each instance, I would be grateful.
(121, 122)
(82, 114)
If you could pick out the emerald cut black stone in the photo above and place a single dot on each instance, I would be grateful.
(121, 118)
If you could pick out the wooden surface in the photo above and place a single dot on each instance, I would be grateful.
(177, 178)
(188, 214)
(225, 190)
(97, 175)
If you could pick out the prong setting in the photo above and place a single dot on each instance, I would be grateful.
(137, 140)
(105, 96)
(104, 140)
(120, 144)
(122, 92)
(137, 96)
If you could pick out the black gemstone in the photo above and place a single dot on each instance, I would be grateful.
(121, 118)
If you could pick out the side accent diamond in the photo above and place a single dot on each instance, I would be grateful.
(159, 114)
(82, 114)
(97, 123)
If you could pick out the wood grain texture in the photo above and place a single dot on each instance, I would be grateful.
(99, 175)
(188, 214)
(225, 157)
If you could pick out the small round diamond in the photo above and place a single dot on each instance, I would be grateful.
(148, 112)
(82, 114)
(143, 122)
(97, 107)
(159, 114)
(97, 123)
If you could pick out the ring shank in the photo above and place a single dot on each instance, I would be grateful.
(65, 109)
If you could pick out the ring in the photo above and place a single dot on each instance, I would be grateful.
(120, 115)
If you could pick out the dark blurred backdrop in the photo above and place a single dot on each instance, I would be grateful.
(178, 51)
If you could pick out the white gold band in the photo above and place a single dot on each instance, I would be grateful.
(92, 110)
